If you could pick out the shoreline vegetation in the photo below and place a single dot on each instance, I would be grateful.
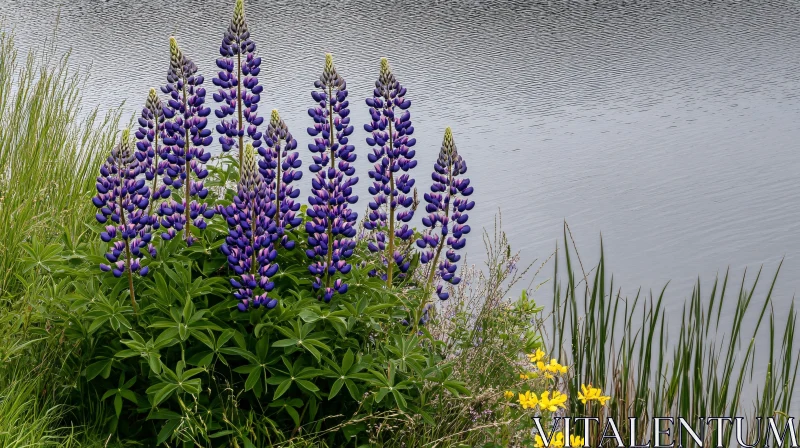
(274, 326)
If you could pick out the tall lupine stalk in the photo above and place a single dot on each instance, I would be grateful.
(331, 228)
(280, 168)
(122, 198)
(151, 153)
(447, 203)
(185, 135)
(393, 201)
(250, 244)
(239, 97)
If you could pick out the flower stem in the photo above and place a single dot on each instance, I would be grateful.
(155, 171)
(186, 166)
(120, 168)
(278, 189)
(330, 207)
(239, 108)
(390, 257)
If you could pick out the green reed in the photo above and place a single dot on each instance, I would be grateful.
(623, 346)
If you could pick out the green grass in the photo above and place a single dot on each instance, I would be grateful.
(622, 345)
(50, 149)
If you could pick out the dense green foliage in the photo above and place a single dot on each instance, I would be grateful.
(194, 368)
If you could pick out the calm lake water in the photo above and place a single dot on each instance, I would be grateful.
(670, 127)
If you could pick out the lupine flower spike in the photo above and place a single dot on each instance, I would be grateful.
(251, 235)
(279, 167)
(238, 97)
(447, 203)
(331, 227)
(122, 198)
(151, 154)
(186, 136)
(393, 201)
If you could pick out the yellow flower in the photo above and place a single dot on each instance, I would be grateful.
(575, 441)
(589, 393)
(528, 400)
(553, 367)
(508, 395)
(557, 442)
(535, 357)
(548, 403)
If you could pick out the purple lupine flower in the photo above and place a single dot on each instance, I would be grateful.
(447, 203)
(185, 136)
(331, 227)
(238, 100)
(151, 152)
(279, 167)
(393, 201)
(122, 198)
(249, 245)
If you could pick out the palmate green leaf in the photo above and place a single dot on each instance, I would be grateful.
(202, 359)
(353, 389)
(381, 394)
(308, 386)
(239, 352)
(161, 392)
(253, 377)
(191, 386)
(457, 388)
(285, 343)
(167, 430)
(335, 388)
(293, 414)
(400, 399)
(283, 386)
(102, 368)
(118, 405)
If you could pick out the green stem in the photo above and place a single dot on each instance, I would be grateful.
(439, 247)
(155, 168)
(278, 187)
(186, 167)
(239, 108)
(390, 257)
(127, 243)
(330, 208)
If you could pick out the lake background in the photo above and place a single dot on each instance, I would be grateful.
(671, 127)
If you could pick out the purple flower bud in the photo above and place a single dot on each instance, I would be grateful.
(250, 244)
(447, 203)
(393, 198)
(331, 227)
(184, 138)
(239, 91)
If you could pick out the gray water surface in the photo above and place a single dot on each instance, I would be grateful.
(670, 127)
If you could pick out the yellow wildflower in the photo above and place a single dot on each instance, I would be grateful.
(553, 367)
(528, 400)
(508, 395)
(556, 442)
(548, 403)
(575, 441)
(589, 393)
(535, 357)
